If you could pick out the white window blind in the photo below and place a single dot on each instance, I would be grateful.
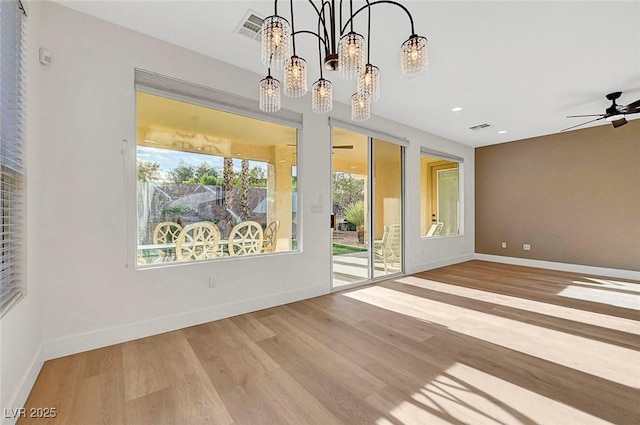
(12, 172)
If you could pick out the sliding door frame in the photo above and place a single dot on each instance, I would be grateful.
(370, 207)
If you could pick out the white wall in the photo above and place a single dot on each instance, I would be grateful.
(84, 203)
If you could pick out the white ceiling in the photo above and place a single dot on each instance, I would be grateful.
(519, 66)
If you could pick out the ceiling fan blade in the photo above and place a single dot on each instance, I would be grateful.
(569, 128)
(618, 123)
(633, 107)
(343, 147)
(580, 116)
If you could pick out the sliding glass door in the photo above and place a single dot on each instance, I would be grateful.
(367, 227)
(387, 212)
(351, 213)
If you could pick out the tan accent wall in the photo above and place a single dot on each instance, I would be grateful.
(575, 197)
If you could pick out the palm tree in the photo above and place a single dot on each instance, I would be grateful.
(227, 175)
(244, 193)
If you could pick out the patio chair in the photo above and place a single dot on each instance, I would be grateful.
(271, 236)
(389, 249)
(165, 232)
(245, 238)
(435, 229)
(198, 241)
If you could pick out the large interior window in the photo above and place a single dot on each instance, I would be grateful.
(211, 183)
(439, 196)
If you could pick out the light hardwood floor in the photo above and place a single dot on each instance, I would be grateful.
(474, 343)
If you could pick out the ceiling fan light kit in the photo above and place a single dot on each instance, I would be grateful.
(340, 48)
(615, 114)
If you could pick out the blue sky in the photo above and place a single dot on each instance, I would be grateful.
(169, 159)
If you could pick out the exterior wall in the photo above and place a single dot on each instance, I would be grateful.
(574, 197)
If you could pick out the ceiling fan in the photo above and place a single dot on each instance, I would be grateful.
(615, 114)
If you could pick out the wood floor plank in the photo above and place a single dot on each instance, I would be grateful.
(155, 408)
(229, 357)
(292, 401)
(57, 387)
(143, 367)
(336, 395)
(100, 399)
(322, 358)
(252, 327)
(191, 389)
(473, 343)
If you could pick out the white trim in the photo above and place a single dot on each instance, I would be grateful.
(173, 88)
(369, 132)
(25, 385)
(440, 155)
(565, 267)
(440, 263)
(115, 335)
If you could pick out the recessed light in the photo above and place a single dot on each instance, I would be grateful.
(502, 131)
(456, 109)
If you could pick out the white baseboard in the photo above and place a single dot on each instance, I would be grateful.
(25, 385)
(105, 337)
(565, 267)
(440, 263)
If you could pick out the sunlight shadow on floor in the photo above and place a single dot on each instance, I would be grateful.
(602, 296)
(464, 395)
(590, 356)
(553, 310)
(615, 284)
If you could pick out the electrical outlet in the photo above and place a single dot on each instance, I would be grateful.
(212, 282)
(504, 244)
(526, 247)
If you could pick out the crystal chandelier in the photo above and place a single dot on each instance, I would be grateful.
(340, 48)
(270, 97)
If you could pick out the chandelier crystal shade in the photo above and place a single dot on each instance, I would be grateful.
(413, 57)
(360, 108)
(322, 96)
(369, 82)
(351, 55)
(270, 98)
(295, 77)
(339, 48)
(275, 41)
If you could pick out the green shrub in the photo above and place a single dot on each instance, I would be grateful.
(354, 214)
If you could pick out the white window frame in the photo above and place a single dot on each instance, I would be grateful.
(460, 161)
(172, 88)
(12, 153)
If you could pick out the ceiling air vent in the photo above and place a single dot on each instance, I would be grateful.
(251, 26)
(479, 127)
